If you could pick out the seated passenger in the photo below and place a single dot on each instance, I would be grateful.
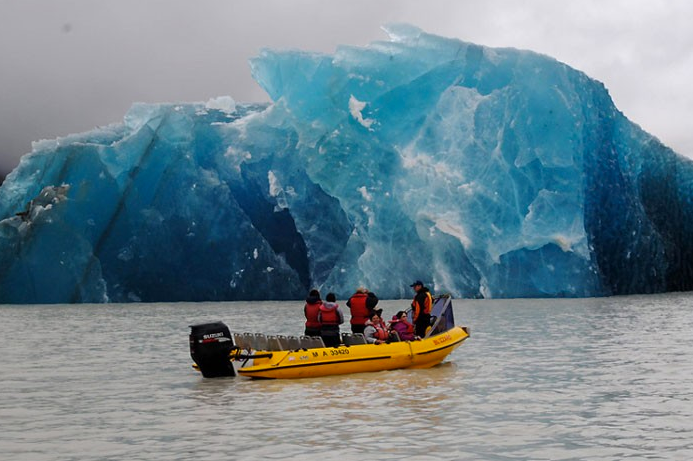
(401, 325)
(376, 330)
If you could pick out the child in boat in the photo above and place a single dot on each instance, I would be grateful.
(401, 325)
(376, 330)
(330, 317)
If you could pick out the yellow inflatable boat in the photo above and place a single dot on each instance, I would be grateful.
(216, 352)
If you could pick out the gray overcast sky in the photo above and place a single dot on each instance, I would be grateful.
(67, 66)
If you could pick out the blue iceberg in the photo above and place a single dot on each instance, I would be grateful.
(484, 172)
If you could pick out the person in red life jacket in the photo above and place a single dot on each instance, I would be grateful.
(376, 330)
(311, 310)
(401, 325)
(330, 317)
(361, 304)
(421, 308)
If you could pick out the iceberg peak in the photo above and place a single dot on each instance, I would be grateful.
(401, 32)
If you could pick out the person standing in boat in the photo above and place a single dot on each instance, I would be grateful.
(330, 317)
(421, 308)
(376, 330)
(311, 311)
(361, 304)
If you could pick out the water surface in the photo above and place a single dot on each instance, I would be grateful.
(588, 379)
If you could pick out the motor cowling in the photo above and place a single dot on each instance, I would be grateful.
(210, 345)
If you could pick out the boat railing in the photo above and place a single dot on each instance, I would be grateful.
(283, 342)
(311, 342)
(240, 340)
(262, 342)
(293, 342)
(274, 344)
(353, 339)
(288, 343)
(249, 340)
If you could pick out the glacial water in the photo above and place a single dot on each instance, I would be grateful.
(577, 379)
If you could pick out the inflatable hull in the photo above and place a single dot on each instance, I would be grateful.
(326, 361)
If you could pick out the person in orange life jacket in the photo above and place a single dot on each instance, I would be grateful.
(361, 304)
(401, 325)
(421, 308)
(311, 310)
(330, 317)
(376, 330)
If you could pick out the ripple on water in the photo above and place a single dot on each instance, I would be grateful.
(597, 379)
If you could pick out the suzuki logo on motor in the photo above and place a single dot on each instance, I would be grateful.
(213, 335)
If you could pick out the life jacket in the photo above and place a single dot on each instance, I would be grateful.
(359, 311)
(381, 332)
(404, 329)
(311, 311)
(329, 315)
(427, 303)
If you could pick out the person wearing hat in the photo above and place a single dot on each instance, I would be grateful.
(421, 308)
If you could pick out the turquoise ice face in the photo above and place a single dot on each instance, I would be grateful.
(484, 172)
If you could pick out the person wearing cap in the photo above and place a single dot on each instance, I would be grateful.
(361, 304)
(421, 308)
(376, 330)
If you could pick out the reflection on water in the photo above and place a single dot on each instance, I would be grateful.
(332, 416)
(538, 379)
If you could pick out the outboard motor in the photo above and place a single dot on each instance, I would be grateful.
(210, 345)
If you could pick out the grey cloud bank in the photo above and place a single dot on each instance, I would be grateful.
(71, 65)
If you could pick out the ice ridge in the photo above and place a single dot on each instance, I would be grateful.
(484, 172)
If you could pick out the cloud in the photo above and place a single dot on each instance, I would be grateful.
(71, 65)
